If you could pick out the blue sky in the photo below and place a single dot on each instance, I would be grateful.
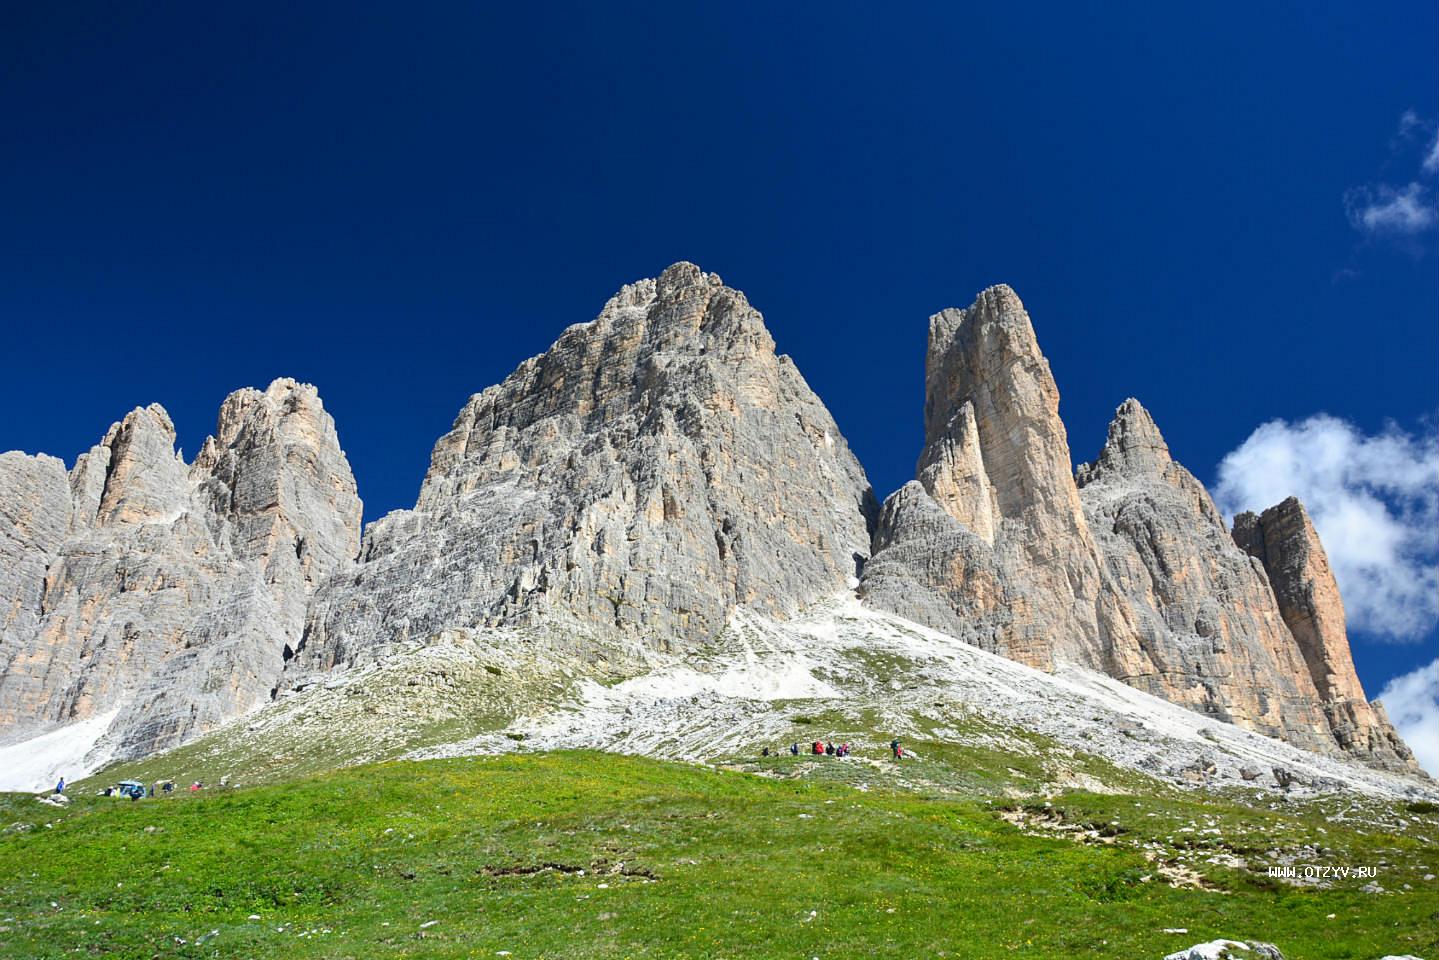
(1223, 210)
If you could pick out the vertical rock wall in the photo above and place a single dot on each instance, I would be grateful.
(164, 592)
(1126, 567)
(1285, 543)
(1017, 572)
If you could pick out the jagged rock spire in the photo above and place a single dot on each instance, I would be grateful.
(1188, 616)
(1134, 446)
(1284, 541)
(1126, 567)
(164, 593)
(952, 472)
(145, 478)
(996, 460)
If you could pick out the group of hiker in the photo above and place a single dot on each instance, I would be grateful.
(827, 748)
(821, 748)
(135, 790)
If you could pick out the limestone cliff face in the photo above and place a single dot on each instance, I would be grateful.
(34, 518)
(1188, 616)
(655, 468)
(164, 592)
(1284, 541)
(1016, 571)
(280, 492)
(1127, 568)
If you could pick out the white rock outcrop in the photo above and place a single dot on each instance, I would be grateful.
(163, 593)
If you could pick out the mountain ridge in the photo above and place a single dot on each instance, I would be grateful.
(658, 470)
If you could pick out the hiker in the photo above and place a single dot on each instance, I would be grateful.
(794, 749)
(829, 749)
(894, 748)
(169, 786)
(818, 748)
(195, 787)
(60, 787)
(764, 752)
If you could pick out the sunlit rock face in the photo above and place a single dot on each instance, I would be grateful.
(659, 470)
(1188, 616)
(657, 467)
(1125, 566)
(164, 592)
(1284, 541)
(1015, 570)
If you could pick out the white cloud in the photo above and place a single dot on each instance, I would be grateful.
(1374, 501)
(1412, 702)
(1411, 125)
(1386, 210)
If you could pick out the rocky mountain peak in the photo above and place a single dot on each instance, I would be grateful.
(653, 470)
(284, 407)
(168, 595)
(996, 459)
(1126, 566)
(280, 490)
(145, 477)
(986, 354)
(652, 479)
(1284, 541)
(1134, 447)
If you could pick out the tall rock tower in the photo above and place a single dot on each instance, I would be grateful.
(1285, 542)
(990, 544)
(1126, 567)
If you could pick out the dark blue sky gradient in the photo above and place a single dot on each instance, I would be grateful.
(400, 204)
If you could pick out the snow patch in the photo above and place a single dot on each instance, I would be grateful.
(69, 752)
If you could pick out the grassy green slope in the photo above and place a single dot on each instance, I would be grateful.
(678, 861)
